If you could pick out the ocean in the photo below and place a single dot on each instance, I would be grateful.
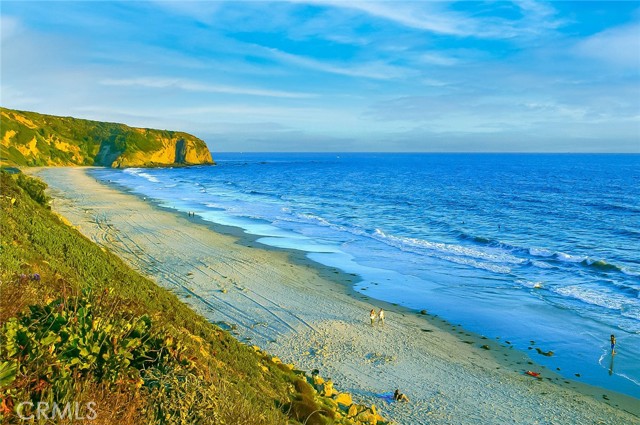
(539, 250)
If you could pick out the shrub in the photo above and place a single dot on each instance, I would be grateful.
(35, 188)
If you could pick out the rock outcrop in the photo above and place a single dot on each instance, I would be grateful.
(32, 139)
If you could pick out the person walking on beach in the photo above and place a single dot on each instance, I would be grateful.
(372, 316)
(613, 344)
(381, 317)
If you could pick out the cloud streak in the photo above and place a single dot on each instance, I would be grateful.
(435, 17)
(377, 70)
(618, 46)
(195, 86)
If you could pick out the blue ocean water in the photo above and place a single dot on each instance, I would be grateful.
(524, 248)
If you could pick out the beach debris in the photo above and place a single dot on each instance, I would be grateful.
(486, 347)
(423, 312)
(379, 358)
(531, 373)
(544, 353)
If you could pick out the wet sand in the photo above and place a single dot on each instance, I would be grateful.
(307, 314)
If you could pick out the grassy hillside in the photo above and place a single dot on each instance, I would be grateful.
(32, 139)
(78, 326)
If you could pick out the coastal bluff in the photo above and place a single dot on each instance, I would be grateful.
(33, 139)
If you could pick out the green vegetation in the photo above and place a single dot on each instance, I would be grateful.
(78, 326)
(32, 139)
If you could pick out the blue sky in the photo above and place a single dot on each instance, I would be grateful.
(520, 76)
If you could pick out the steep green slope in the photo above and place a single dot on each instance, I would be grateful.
(79, 326)
(32, 139)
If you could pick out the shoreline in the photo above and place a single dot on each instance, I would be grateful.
(318, 339)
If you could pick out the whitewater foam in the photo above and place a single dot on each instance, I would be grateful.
(139, 172)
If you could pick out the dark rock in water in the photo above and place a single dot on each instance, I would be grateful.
(486, 347)
(423, 312)
(544, 353)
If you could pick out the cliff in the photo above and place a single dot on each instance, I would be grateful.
(32, 139)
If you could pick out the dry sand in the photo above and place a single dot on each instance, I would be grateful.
(307, 315)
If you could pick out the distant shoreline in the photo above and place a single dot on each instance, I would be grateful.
(499, 364)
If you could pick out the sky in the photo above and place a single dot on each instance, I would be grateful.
(339, 76)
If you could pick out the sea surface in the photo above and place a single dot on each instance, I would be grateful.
(542, 251)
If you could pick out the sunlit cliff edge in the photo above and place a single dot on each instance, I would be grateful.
(33, 139)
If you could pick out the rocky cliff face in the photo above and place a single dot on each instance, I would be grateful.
(29, 138)
(177, 149)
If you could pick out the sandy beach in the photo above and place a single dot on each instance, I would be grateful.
(307, 315)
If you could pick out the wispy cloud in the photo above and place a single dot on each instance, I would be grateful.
(378, 70)
(618, 46)
(438, 59)
(194, 86)
(437, 18)
(9, 27)
(202, 11)
(419, 16)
